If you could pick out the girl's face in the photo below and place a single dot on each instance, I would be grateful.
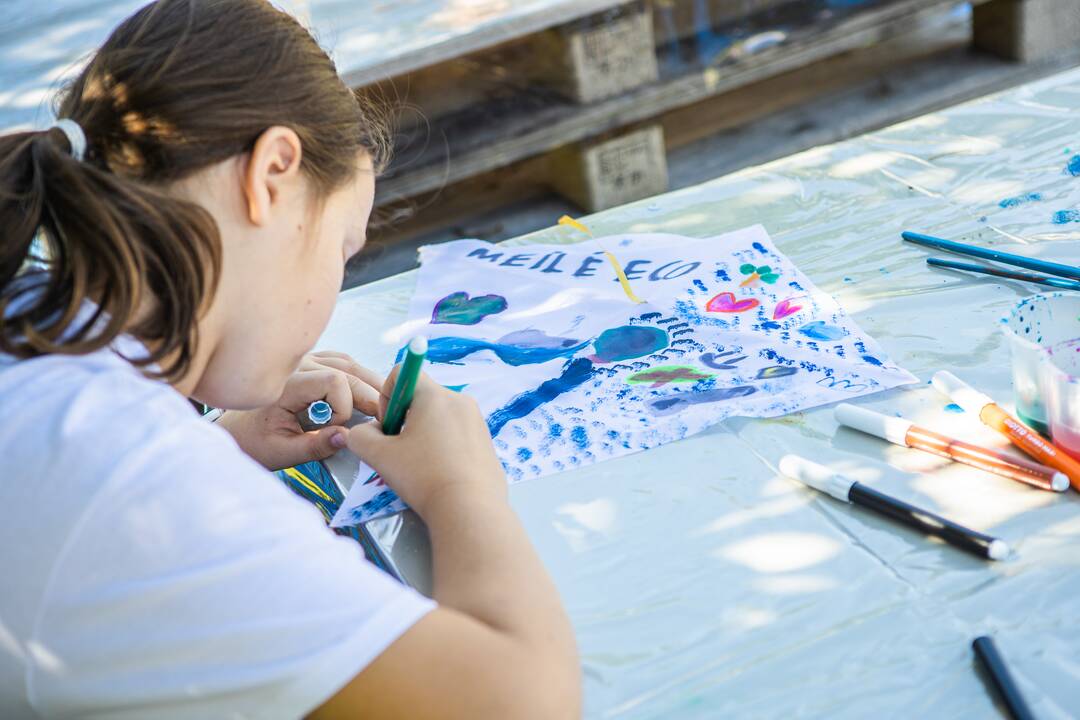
(284, 252)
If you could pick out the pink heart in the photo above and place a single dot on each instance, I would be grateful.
(725, 302)
(785, 308)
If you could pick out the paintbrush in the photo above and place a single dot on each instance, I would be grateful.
(1000, 272)
(1050, 268)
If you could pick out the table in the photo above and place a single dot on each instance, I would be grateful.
(701, 583)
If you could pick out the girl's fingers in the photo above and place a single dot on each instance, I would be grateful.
(323, 443)
(365, 398)
(333, 386)
(346, 364)
(363, 383)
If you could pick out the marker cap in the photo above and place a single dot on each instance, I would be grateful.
(418, 345)
(1060, 482)
(816, 476)
(967, 397)
(320, 412)
(893, 429)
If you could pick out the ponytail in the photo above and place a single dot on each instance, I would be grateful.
(88, 255)
(179, 86)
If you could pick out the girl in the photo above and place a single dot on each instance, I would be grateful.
(182, 233)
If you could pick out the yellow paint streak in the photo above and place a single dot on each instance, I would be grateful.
(308, 483)
(623, 280)
(567, 220)
(619, 272)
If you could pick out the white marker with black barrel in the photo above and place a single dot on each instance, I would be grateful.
(844, 488)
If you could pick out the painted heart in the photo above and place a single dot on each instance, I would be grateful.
(785, 308)
(818, 330)
(725, 302)
(459, 309)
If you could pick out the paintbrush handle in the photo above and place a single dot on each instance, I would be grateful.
(1050, 268)
(1011, 274)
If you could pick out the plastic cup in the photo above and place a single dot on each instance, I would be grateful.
(1036, 323)
(1061, 378)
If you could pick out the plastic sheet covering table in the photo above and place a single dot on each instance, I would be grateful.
(703, 584)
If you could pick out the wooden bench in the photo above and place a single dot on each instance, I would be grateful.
(582, 96)
(489, 84)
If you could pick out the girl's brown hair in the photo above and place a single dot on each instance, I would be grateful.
(178, 86)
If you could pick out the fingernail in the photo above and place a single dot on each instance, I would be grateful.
(338, 440)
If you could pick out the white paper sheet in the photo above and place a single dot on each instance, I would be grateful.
(568, 371)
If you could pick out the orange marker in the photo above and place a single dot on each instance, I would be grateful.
(983, 407)
(906, 433)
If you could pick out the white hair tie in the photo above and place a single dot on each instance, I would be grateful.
(75, 135)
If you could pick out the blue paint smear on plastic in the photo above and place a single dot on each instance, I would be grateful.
(580, 437)
(449, 349)
(722, 275)
(700, 286)
(576, 373)
(872, 360)
(523, 454)
(1020, 200)
(760, 248)
(1062, 217)
(1073, 168)
(953, 408)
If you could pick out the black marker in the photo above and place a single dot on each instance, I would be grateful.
(987, 652)
(822, 478)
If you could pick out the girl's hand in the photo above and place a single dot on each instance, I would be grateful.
(444, 448)
(272, 435)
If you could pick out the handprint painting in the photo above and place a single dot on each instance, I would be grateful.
(568, 371)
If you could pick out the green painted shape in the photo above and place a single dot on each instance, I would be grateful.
(665, 374)
(459, 309)
(627, 342)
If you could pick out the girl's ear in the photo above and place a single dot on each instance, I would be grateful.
(273, 167)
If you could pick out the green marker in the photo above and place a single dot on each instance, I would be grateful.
(405, 385)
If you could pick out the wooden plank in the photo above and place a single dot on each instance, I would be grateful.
(676, 20)
(1027, 30)
(606, 173)
(869, 88)
(606, 54)
(373, 41)
(586, 60)
(553, 125)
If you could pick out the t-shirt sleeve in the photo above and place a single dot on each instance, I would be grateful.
(196, 585)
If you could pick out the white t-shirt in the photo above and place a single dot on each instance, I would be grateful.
(150, 569)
